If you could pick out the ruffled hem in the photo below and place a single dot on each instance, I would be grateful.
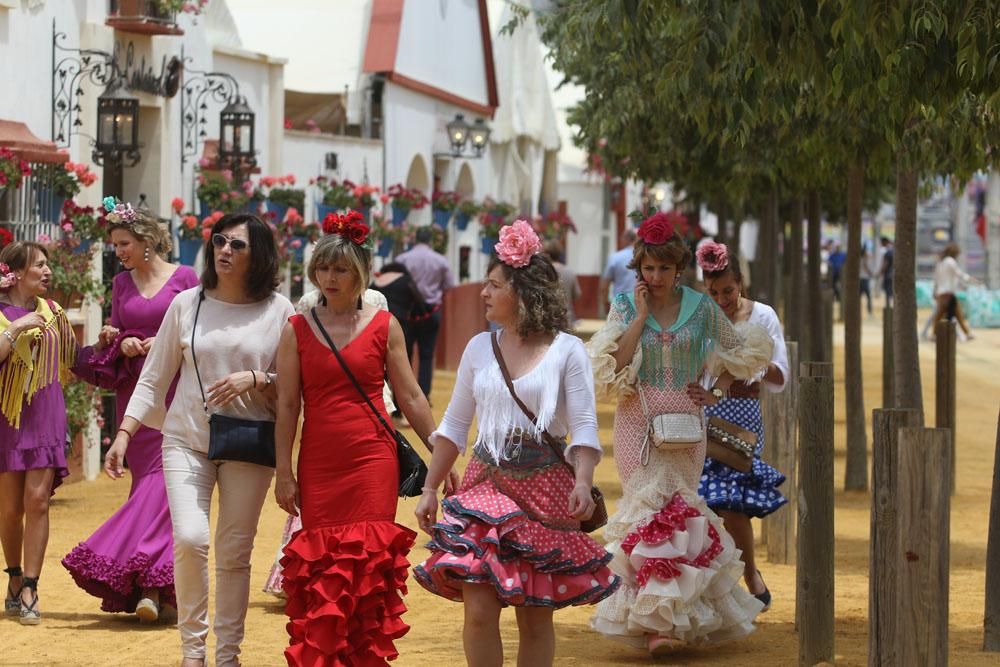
(609, 384)
(754, 494)
(527, 563)
(344, 587)
(120, 585)
(681, 574)
(747, 360)
(37, 458)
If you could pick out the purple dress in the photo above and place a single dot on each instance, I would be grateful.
(133, 549)
(41, 440)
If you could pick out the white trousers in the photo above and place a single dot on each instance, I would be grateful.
(191, 480)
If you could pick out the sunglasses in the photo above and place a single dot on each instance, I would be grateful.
(220, 241)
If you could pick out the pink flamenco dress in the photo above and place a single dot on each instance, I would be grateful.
(508, 526)
(680, 569)
(344, 572)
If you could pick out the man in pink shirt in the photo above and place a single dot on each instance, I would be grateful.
(433, 276)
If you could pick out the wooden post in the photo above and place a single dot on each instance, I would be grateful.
(922, 556)
(884, 543)
(888, 392)
(944, 385)
(781, 445)
(991, 619)
(814, 571)
(827, 332)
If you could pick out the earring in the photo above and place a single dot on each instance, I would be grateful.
(145, 254)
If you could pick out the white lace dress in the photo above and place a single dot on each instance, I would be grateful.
(680, 569)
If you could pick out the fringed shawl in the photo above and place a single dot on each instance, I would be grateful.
(39, 358)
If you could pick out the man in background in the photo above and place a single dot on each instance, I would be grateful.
(617, 275)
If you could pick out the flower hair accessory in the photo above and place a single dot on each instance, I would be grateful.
(657, 229)
(7, 277)
(351, 226)
(518, 242)
(713, 257)
(119, 212)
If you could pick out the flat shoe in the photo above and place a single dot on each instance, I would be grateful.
(661, 646)
(147, 611)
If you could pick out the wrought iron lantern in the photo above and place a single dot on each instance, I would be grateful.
(479, 133)
(458, 134)
(117, 126)
(236, 145)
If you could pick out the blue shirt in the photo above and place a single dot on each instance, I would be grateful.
(621, 277)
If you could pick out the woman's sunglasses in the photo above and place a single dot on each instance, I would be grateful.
(220, 241)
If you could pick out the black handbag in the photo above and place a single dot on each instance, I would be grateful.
(232, 438)
(412, 469)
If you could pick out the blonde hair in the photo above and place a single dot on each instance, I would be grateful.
(333, 249)
(148, 230)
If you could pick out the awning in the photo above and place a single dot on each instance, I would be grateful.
(18, 138)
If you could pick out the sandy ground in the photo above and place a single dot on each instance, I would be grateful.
(75, 632)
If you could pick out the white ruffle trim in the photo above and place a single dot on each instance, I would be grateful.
(749, 359)
(609, 384)
(701, 606)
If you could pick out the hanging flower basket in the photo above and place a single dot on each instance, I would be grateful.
(384, 247)
(188, 251)
(488, 244)
(440, 218)
(462, 221)
(399, 216)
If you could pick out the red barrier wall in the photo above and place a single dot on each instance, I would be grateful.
(462, 317)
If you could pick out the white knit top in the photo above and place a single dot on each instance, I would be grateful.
(230, 337)
(559, 390)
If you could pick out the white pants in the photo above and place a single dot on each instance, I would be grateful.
(191, 480)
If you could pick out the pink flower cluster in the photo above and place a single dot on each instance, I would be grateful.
(209, 222)
(12, 169)
(272, 181)
(7, 277)
(712, 256)
(194, 7)
(82, 172)
(518, 243)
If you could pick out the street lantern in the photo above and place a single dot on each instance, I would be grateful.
(236, 123)
(458, 134)
(480, 135)
(117, 126)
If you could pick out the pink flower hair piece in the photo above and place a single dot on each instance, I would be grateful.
(713, 257)
(518, 242)
(7, 277)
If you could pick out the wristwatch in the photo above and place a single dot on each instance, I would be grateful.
(718, 393)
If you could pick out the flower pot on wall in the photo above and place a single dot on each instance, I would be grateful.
(399, 216)
(298, 247)
(488, 244)
(440, 218)
(384, 247)
(279, 211)
(461, 221)
(145, 17)
(82, 247)
(188, 251)
(50, 205)
(323, 210)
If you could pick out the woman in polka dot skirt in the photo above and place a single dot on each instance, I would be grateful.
(510, 536)
(680, 569)
(739, 496)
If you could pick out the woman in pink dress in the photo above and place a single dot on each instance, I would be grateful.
(128, 562)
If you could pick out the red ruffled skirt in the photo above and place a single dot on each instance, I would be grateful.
(344, 586)
(516, 534)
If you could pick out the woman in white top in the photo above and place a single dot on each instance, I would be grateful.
(949, 278)
(511, 534)
(239, 320)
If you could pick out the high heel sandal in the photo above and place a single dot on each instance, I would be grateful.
(12, 603)
(765, 597)
(29, 612)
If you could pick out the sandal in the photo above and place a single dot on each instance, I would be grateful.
(765, 597)
(659, 646)
(12, 603)
(29, 612)
(147, 610)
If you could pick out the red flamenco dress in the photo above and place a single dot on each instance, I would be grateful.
(345, 571)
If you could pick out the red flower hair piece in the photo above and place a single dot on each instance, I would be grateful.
(657, 229)
(351, 226)
(712, 257)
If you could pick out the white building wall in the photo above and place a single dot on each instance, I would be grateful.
(305, 157)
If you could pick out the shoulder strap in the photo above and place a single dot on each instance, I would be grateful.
(546, 438)
(350, 376)
(194, 360)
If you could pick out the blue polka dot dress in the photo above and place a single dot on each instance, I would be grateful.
(752, 493)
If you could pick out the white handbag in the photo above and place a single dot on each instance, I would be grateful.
(670, 430)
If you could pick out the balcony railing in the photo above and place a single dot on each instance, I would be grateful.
(142, 16)
(31, 209)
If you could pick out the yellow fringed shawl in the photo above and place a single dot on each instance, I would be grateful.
(39, 358)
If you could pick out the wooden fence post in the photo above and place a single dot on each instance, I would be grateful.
(814, 567)
(884, 543)
(781, 446)
(922, 556)
(888, 399)
(944, 385)
(991, 619)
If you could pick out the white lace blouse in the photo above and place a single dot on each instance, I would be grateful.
(559, 390)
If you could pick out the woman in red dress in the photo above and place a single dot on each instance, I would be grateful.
(346, 569)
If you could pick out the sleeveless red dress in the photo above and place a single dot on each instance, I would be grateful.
(346, 569)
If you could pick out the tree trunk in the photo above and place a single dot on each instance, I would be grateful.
(774, 268)
(856, 474)
(793, 309)
(814, 294)
(904, 313)
(763, 290)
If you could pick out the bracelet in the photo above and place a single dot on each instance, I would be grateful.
(9, 336)
(125, 431)
(425, 489)
(253, 374)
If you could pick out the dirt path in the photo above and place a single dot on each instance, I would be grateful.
(75, 632)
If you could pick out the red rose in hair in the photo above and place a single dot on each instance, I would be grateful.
(332, 224)
(357, 232)
(353, 217)
(656, 229)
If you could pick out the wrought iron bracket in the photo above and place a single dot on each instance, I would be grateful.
(70, 69)
(196, 92)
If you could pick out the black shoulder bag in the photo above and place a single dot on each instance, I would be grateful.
(232, 438)
(412, 469)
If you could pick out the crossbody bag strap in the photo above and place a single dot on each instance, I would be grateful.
(350, 376)
(517, 399)
(194, 360)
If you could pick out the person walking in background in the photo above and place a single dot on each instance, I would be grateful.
(885, 270)
(949, 278)
(510, 536)
(737, 496)
(617, 276)
(678, 564)
(866, 277)
(836, 261)
(223, 338)
(567, 279)
(431, 273)
(346, 569)
(129, 561)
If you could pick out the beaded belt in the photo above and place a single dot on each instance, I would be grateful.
(728, 438)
